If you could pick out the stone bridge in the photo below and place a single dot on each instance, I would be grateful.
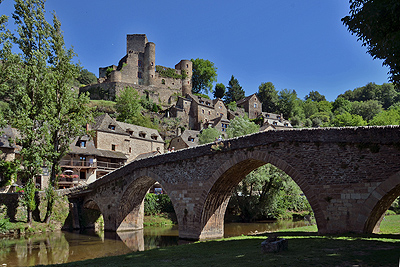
(350, 177)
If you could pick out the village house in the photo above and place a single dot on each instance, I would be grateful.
(189, 138)
(114, 144)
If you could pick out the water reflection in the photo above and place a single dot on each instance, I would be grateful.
(62, 247)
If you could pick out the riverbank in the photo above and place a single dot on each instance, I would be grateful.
(305, 248)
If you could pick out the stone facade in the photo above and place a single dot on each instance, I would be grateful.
(350, 177)
(252, 106)
(114, 144)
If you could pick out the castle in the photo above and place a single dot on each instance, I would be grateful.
(137, 69)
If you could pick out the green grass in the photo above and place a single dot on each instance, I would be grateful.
(306, 248)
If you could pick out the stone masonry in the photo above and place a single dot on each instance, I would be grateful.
(350, 177)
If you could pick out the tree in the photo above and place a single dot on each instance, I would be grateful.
(67, 110)
(204, 74)
(377, 26)
(315, 96)
(268, 97)
(43, 106)
(219, 91)
(241, 126)
(86, 77)
(235, 92)
(367, 109)
(288, 103)
(208, 135)
(347, 119)
(387, 117)
(129, 109)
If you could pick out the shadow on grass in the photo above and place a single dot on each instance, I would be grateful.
(350, 235)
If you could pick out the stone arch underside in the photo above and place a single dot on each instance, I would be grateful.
(131, 205)
(92, 212)
(379, 202)
(229, 175)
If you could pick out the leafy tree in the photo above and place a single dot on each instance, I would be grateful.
(219, 91)
(309, 108)
(367, 109)
(232, 106)
(315, 96)
(347, 119)
(67, 110)
(86, 77)
(129, 109)
(8, 172)
(241, 126)
(387, 117)
(43, 106)
(204, 74)
(288, 103)
(341, 105)
(268, 97)
(208, 135)
(376, 24)
(27, 87)
(234, 92)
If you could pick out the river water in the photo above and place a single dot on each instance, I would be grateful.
(62, 247)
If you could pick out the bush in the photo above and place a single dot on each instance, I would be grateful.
(156, 204)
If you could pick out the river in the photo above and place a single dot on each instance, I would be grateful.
(62, 247)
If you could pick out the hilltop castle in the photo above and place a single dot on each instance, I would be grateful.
(137, 69)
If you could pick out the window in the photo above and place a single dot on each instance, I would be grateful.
(154, 137)
(139, 75)
(152, 63)
(140, 64)
(111, 127)
(163, 81)
(191, 139)
(255, 105)
(113, 147)
(142, 134)
(82, 144)
(202, 111)
(82, 175)
(130, 150)
(275, 123)
(209, 112)
(187, 65)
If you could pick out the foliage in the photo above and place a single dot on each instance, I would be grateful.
(109, 70)
(234, 91)
(219, 91)
(202, 95)
(376, 24)
(347, 119)
(267, 192)
(315, 96)
(8, 172)
(86, 77)
(241, 126)
(366, 109)
(387, 117)
(156, 204)
(170, 73)
(204, 74)
(100, 107)
(288, 103)
(148, 104)
(129, 109)
(208, 135)
(232, 106)
(268, 96)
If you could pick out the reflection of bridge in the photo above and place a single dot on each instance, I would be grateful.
(350, 176)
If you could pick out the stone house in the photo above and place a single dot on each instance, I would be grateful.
(189, 138)
(113, 145)
(251, 105)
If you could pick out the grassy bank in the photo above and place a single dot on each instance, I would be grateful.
(305, 248)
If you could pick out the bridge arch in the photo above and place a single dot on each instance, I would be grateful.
(378, 203)
(130, 211)
(91, 215)
(234, 170)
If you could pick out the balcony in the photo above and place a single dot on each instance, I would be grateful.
(84, 164)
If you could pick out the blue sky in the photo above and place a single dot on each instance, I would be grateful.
(300, 45)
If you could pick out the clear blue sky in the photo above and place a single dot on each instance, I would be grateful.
(300, 45)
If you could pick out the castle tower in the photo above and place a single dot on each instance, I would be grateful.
(136, 43)
(186, 66)
(149, 64)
